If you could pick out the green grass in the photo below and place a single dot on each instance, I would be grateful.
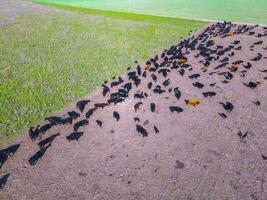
(50, 60)
(248, 11)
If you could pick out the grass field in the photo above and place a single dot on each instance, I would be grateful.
(249, 11)
(50, 60)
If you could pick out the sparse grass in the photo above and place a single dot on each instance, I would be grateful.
(48, 61)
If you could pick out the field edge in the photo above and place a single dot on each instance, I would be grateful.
(124, 15)
(130, 16)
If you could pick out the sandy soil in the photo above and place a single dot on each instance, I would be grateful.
(196, 154)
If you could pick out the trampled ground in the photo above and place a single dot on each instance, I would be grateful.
(246, 11)
(215, 150)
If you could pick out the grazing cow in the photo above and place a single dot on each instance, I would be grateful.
(141, 130)
(74, 136)
(116, 115)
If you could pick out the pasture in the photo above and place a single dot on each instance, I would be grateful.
(246, 11)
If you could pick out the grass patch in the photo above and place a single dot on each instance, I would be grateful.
(50, 60)
(247, 11)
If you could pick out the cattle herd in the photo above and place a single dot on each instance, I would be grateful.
(154, 75)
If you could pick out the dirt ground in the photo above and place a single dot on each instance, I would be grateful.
(197, 154)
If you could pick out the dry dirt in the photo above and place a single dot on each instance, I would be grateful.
(196, 154)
